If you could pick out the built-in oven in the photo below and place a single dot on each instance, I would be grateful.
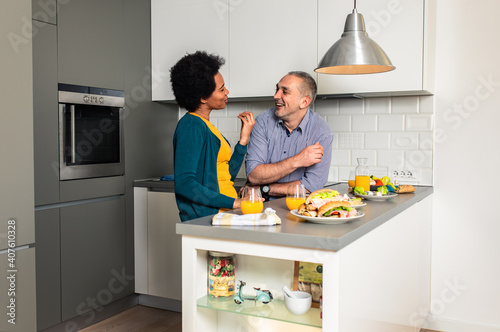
(90, 132)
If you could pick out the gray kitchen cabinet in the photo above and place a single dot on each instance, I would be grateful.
(91, 43)
(92, 256)
(45, 115)
(44, 11)
(48, 268)
(18, 291)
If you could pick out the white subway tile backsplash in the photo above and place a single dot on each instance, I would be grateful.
(404, 105)
(344, 173)
(219, 113)
(326, 107)
(213, 120)
(233, 109)
(420, 122)
(341, 158)
(351, 106)
(370, 154)
(227, 125)
(377, 105)
(393, 159)
(379, 171)
(426, 141)
(364, 123)
(391, 123)
(258, 107)
(339, 123)
(404, 140)
(426, 104)
(333, 174)
(416, 159)
(350, 140)
(377, 141)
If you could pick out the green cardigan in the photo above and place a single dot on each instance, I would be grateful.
(195, 169)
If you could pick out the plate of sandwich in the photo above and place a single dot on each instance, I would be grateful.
(327, 206)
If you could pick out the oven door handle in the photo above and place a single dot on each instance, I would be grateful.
(73, 144)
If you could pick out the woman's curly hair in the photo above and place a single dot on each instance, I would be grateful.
(192, 78)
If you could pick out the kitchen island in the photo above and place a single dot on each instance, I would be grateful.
(376, 269)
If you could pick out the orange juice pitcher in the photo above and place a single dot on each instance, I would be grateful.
(362, 177)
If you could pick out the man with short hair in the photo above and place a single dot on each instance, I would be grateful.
(290, 144)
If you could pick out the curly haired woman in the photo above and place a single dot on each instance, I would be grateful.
(204, 167)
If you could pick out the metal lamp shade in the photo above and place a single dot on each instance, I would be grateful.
(354, 52)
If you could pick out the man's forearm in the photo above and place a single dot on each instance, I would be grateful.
(281, 189)
(270, 173)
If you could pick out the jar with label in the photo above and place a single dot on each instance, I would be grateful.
(221, 278)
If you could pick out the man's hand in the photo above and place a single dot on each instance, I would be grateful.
(310, 155)
(270, 173)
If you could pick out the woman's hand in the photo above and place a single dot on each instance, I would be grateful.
(247, 123)
(237, 203)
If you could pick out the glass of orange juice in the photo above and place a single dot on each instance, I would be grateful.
(295, 196)
(251, 201)
(352, 180)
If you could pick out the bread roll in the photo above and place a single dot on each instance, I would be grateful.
(405, 188)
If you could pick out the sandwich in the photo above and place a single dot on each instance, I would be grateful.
(302, 210)
(318, 198)
(338, 209)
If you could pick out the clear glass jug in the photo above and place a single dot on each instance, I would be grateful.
(362, 174)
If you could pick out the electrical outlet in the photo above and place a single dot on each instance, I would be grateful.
(403, 175)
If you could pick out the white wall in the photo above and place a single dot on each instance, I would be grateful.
(466, 246)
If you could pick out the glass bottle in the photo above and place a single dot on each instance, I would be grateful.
(221, 278)
(362, 177)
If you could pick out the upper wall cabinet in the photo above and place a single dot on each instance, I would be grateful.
(267, 39)
(91, 43)
(181, 27)
(403, 28)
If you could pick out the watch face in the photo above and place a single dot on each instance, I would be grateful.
(265, 189)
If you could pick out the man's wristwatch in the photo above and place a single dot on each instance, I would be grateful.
(265, 191)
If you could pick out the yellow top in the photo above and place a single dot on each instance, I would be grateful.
(223, 176)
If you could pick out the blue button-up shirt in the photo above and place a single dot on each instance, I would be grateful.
(271, 142)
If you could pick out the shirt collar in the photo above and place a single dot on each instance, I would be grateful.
(302, 124)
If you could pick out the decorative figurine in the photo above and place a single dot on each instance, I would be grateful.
(263, 296)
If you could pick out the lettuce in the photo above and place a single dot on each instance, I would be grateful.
(327, 194)
(383, 190)
(359, 191)
(347, 208)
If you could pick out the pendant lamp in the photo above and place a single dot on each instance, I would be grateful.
(354, 53)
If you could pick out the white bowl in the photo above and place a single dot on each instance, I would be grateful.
(300, 305)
